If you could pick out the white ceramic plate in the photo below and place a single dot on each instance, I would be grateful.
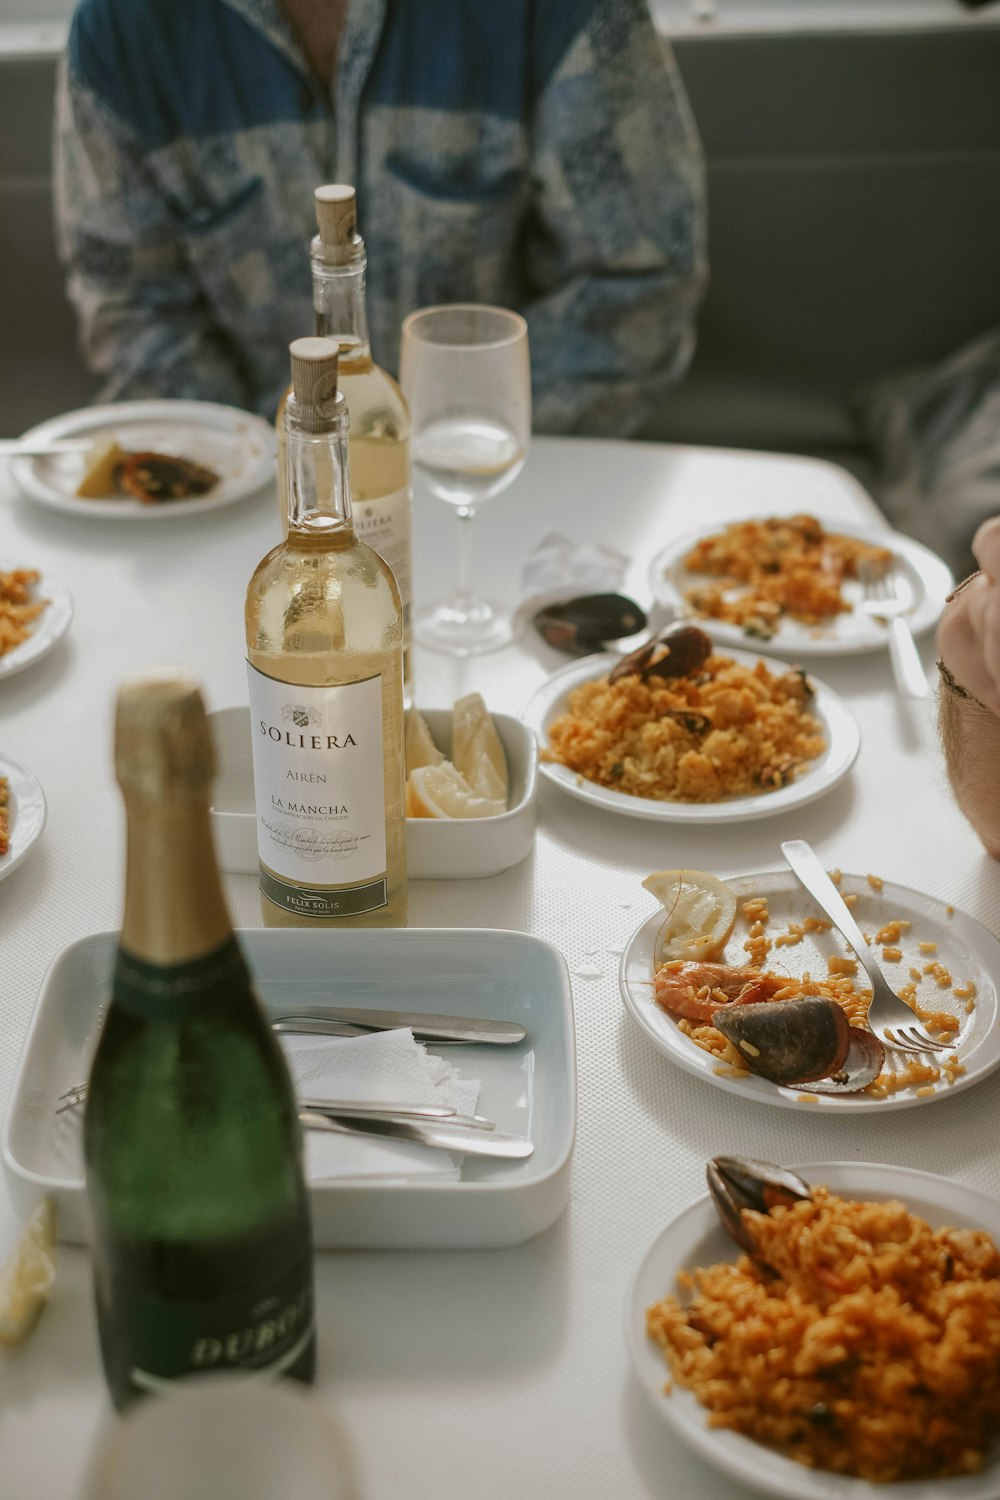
(237, 445)
(920, 577)
(47, 629)
(696, 1238)
(843, 739)
(965, 948)
(529, 1089)
(26, 817)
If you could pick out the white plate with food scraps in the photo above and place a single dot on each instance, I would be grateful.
(966, 950)
(816, 778)
(528, 1089)
(47, 629)
(237, 445)
(920, 579)
(696, 1238)
(25, 814)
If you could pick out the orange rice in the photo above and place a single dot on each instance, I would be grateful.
(18, 608)
(725, 731)
(874, 1349)
(787, 566)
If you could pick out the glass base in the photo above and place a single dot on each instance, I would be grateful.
(463, 629)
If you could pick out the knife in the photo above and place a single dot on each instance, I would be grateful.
(425, 1027)
(441, 1137)
(432, 1113)
(29, 448)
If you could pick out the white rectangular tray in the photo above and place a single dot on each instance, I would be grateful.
(528, 1090)
(436, 848)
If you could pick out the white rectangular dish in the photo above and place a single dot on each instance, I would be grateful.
(529, 1089)
(436, 848)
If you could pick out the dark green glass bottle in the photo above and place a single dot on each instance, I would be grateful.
(193, 1152)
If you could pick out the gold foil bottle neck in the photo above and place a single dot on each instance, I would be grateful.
(314, 382)
(337, 220)
(163, 746)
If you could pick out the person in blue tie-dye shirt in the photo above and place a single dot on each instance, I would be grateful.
(538, 154)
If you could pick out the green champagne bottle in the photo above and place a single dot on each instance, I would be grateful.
(202, 1240)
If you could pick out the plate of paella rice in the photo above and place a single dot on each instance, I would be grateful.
(720, 737)
(793, 583)
(936, 957)
(848, 1345)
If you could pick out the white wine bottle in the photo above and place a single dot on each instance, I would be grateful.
(193, 1152)
(324, 632)
(381, 475)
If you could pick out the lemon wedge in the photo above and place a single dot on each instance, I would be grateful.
(701, 914)
(98, 482)
(476, 750)
(28, 1276)
(419, 747)
(443, 792)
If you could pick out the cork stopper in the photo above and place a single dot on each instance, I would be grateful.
(337, 218)
(314, 382)
(163, 746)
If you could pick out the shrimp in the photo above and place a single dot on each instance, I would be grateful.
(696, 991)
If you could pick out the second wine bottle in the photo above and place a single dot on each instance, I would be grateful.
(324, 634)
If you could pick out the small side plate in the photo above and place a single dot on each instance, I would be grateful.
(49, 627)
(528, 1090)
(26, 815)
(239, 446)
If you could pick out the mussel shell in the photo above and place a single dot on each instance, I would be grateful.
(585, 625)
(162, 477)
(688, 648)
(739, 1182)
(788, 1041)
(675, 652)
(864, 1062)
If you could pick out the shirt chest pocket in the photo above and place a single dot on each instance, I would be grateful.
(456, 220)
(246, 258)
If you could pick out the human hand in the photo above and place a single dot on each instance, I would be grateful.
(969, 633)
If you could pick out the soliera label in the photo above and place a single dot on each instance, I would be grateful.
(319, 790)
(266, 1333)
(384, 525)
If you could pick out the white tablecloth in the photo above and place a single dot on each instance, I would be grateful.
(494, 1373)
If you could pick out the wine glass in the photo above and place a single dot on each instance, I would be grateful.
(466, 375)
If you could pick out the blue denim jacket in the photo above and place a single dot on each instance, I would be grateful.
(537, 154)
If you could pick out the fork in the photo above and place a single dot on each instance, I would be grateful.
(889, 1017)
(883, 603)
(442, 1114)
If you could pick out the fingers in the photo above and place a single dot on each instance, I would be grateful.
(969, 640)
(986, 546)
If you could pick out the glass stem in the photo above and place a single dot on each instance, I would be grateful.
(464, 595)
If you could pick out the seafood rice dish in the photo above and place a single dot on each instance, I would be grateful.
(683, 724)
(850, 1336)
(781, 567)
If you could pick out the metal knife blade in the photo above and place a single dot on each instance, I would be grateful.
(359, 1107)
(440, 1136)
(422, 1024)
(43, 448)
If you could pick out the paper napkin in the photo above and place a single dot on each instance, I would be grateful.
(561, 569)
(388, 1067)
